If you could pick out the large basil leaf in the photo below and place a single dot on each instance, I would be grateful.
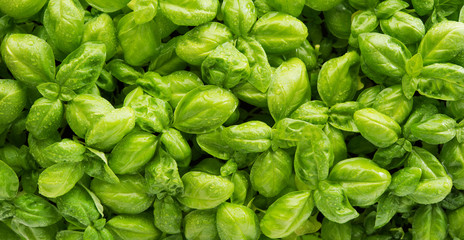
(233, 219)
(341, 116)
(338, 79)
(108, 5)
(82, 67)
(430, 222)
(260, 70)
(44, 117)
(194, 46)
(64, 22)
(279, 32)
(133, 227)
(289, 88)
(110, 129)
(239, 15)
(9, 182)
(128, 196)
(442, 42)
(204, 109)
(34, 211)
(29, 58)
(271, 172)
(384, 54)
(444, 81)
(286, 214)
(435, 183)
(189, 12)
(313, 156)
(59, 179)
(139, 42)
(331, 200)
(78, 207)
(204, 191)
(361, 179)
(162, 176)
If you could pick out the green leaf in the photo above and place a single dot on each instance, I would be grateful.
(332, 202)
(335, 231)
(195, 45)
(60, 178)
(181, 82)
(213, 144)
(204, 191)
(176, 145)
(313, 156)
(34, 211)
(233, 219)
(271, 172)
(338, 79)
(414, 65)
(341, 116)
(452, 157)
(438, 129)
(84, 111)
(29, 58)
(162, 176)
(392, 102)
(155, 85)
(201, 224)
(252, 136)
(225, 66)
(108, 5)
(139, 42)
(430, 222)
(442, 42)
(361, 179)
(9, 182)
(49, 90)
(96, 165)
(435, 183)
(289, 88)
(152, 114)
(409, 85)
(384, 54)
(13, 99)
(44, 118)
(405, 181)
(110, 129)
(239, 15)
(95, 200)
(260, 70)
(101, 29)
(286, 214)
(64, 151)
(279, 32)
(167, 61)
(128, 196)
(168, 215)
(64, 22)
(133, 227)
(442, 81)
(78, 207)
(82, 67)
(378, 128)
(204, 109)
(145, 10)
(132, 152)
(190, 12)
(314, 112)
(386, 209)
